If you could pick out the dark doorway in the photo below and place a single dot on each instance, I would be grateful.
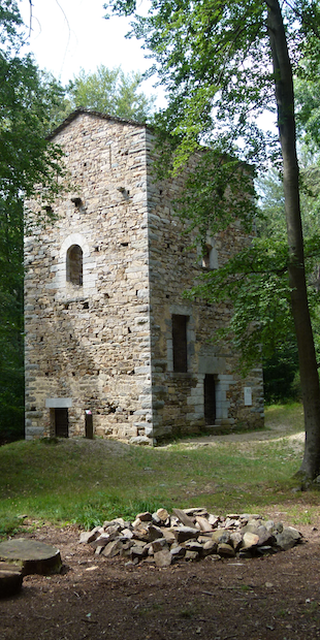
(209, 398)
(61, 423)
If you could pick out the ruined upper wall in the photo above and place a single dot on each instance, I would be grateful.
(175, 264)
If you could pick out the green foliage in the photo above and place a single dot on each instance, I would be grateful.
(254, 284)
(210, 200)
(11, 323)
(280, 372)
(214, 59)
(56, 101)
(27, 159)
(280, 361)
(110, 91)
(214, 62)
(307, 93)
(271, 205)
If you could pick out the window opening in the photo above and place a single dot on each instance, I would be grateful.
(209, 257)
(75, 265)
(209, 398)
(180, 343)
(206, 256)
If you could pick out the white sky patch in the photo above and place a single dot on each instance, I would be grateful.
(67, 35)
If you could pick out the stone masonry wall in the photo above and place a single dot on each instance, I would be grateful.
(88, 347)
(105, 345)
(178, 398)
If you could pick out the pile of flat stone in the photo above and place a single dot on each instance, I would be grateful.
(189, 534)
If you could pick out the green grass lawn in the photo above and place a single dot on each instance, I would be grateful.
(87, 482)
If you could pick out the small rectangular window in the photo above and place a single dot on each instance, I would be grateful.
(180, 343)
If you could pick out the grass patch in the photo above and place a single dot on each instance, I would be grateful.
(9, 525)
(289, 417)
(87, 482)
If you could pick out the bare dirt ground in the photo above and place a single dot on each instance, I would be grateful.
(275, 597)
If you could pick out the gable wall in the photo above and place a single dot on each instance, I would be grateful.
(89, 346)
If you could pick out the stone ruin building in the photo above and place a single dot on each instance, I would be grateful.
(108, 331)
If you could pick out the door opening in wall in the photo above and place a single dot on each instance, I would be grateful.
(209, 390)
(61, 423)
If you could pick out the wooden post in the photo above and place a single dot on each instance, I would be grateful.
(89, 424)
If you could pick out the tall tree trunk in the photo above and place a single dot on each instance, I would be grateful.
(287, 133)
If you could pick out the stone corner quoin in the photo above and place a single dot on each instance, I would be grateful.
(112, 347)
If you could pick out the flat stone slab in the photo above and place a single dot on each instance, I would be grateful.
(31, 555)
(10, 579)
(183, 517)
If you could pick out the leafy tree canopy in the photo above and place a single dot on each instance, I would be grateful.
(111, 91)
(279, 348)
(27, 159)
(214, 60)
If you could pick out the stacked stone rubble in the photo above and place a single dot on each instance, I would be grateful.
(190, 534)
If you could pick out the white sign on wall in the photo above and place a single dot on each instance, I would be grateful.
(248, 396)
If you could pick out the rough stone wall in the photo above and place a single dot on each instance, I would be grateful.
(106, 345)
(178, 398)
(89, 346)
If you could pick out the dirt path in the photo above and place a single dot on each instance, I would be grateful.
(273, 431)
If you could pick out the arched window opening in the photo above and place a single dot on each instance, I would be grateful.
(75, 265)
(206, 256)
(209, 257)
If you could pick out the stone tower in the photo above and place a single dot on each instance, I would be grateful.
(108, 331)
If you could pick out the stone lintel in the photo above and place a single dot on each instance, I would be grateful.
(58, 403)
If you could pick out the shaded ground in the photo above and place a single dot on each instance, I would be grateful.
(276, 597)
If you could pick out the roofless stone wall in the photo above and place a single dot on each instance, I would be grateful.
(104, 307)
(182, 400)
